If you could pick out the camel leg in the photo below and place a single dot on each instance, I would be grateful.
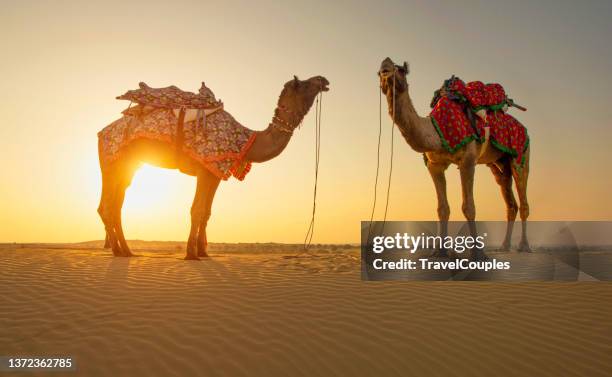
(105, 209)
(209, 197)
(123, 184)
(206, 186)
(467, 170)
(502, 171)
(520, 178)
(436, 170)
(107, 244)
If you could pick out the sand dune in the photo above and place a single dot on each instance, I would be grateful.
(276, 312)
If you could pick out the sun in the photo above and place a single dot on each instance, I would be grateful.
(154, 189)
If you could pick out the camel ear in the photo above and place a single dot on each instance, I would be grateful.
(406, 68)
(293, 83)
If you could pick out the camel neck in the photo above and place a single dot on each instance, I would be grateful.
(272, 141)
(418, 131)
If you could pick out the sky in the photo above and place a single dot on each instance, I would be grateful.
(64, 62)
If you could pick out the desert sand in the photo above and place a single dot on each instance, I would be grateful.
(270, 310)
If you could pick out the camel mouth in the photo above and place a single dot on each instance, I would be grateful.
(385, 73)
(324, 84)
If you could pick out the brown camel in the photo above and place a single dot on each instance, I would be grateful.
(420, 134)
(294, 103)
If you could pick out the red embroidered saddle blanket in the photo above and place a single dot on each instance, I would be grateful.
(455, 129)
(220, 145)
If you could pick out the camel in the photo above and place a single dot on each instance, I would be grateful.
(294, 103)
(422, 137)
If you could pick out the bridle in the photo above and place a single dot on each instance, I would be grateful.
(282, 125)
(310, 231)
(385, 76)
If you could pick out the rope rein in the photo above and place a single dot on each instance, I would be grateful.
(378, 160)
(310, 232)
(390, 158)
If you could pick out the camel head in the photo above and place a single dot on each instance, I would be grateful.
(389, 73)
(298, 96)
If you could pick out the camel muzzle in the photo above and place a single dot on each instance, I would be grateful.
(324, 84)
(385, 73)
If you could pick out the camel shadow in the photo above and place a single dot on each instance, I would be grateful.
(117, 270)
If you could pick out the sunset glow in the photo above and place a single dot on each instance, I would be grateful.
(63, 73)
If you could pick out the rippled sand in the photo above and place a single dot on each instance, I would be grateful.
(282, 313)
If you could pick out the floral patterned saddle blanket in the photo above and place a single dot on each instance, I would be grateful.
(194, 124)
(450, 118)
(220, 144)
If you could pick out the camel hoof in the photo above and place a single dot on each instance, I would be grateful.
(191, 257)
(504, 247)
(524, 248)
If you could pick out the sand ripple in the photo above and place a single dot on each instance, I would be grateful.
(291, 315)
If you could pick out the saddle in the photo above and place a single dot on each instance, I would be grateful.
(171, 97)
(187, 106)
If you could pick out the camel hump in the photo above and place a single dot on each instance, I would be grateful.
(172, 97)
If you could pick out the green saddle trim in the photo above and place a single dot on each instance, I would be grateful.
(495, 107)
(460, 145)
